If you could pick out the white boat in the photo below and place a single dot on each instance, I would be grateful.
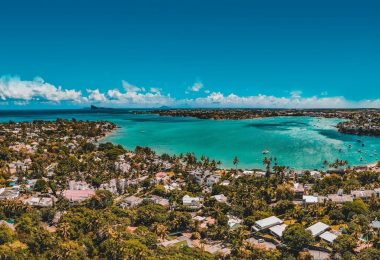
(265, 152)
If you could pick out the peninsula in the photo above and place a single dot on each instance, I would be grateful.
(359, 121)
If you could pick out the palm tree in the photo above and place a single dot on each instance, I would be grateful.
(63, 230)
(160, 230)
(235, 162)
(325, 163)
(267, 161)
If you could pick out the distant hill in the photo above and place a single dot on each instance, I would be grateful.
(164, 107)
(98, 108)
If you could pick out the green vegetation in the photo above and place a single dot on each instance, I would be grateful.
(140, 205)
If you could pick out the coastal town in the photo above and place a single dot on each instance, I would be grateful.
(65, 194)
(357, 121)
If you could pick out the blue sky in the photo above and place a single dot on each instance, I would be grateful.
(150, 53)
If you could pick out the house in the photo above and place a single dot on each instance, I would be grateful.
(192, 202)
(375, 224)
(78, 195)
(315, 174)
(212, 179)
(220, 198)
(79, 185)
(115, 185)
(298, 190)
(131, 201)
(172, 186)
(363, 194)
(39, 202)
(218, 249)
(266, 223)
(204, 221)
(178, 240)
(31, 183)
(199, 176)
(233, 221)
(225, 183)
(328, 237)
(340, 198)
(161, 177)
(199, 218)
(310, 199)
(278, 230)
(260, 174)
(159, 200)
(9, 193)
(318, 228)
(247, 172)
(123, 167)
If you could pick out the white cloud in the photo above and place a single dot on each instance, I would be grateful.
(136, 96)
(155, 90)
(130, 88)
(217, 99)
(195, 87)
(296, 94)
(95, 95)
(20, 92)
(13, 88)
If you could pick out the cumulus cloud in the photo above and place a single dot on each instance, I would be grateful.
(296, 94)
(217, 99)
(20, 92)
(138, 98)
(95, 95)
(13, 88)
(196, 87)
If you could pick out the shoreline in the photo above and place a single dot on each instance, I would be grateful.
(107, 134)
(358, 122)
(117, 128)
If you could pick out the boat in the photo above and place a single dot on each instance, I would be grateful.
(265, 152)
(359, 151)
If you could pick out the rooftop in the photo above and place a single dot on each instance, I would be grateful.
(277, 230)
(268, 222)
(318, 228)
(328, 236)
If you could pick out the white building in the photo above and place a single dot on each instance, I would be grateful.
(131, 201)
(267, 223)
(233, 221)
(328, 237)
(39, 202)
(318, 228)
(212, 179)
(220, 198)
(192, 202)
(278, 230)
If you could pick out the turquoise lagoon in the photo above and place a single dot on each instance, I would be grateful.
(298, 142)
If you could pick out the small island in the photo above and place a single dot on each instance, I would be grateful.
(359, 121)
